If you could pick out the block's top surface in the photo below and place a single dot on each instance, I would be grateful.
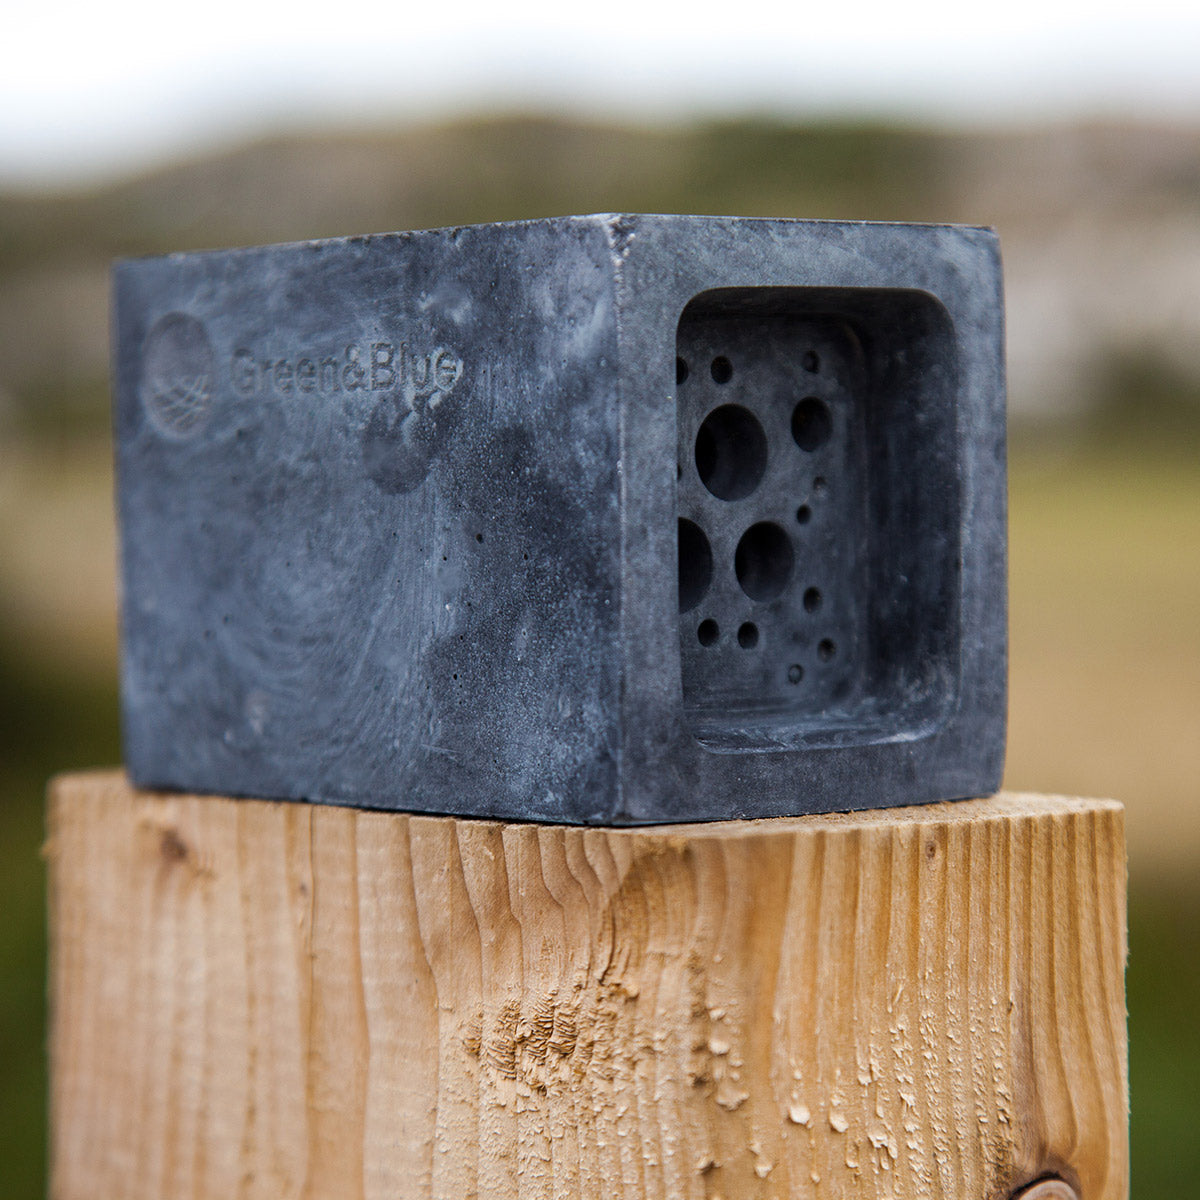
(620, 228)
(399, 517)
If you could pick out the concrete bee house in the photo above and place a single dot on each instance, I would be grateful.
(600, 519)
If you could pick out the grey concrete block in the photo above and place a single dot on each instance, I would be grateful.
(597, 519)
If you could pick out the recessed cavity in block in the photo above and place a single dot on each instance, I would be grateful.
(818, 499)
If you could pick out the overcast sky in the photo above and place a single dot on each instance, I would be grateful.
(92, 89)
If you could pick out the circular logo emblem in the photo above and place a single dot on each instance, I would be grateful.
(177, 375)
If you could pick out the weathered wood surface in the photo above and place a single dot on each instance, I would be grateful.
(255, 999)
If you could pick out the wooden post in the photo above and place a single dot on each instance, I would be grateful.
(257, 999)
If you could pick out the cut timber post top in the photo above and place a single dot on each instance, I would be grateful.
(258, 999)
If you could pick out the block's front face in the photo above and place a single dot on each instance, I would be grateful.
(819, 513)
(369, 520)
(814, 552)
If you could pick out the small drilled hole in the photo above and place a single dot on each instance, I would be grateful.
(812, 599)
(811, 362)
(795, 673)
(479, 537)
(708, 632)
(763, 561)
(803, 514)
(820, 484)
(731, 452)
(681, 370)
(748, 636)
(722, 369)
(826, 649)
(812, 423)
(695, 565)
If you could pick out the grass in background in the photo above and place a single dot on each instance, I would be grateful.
(52, 718)
(1105, 639)
(1163, 993)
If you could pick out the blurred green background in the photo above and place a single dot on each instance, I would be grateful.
(1100, 227)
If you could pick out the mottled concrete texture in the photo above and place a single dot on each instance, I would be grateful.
(608, 519)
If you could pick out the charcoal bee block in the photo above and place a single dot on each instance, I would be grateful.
(606, 519)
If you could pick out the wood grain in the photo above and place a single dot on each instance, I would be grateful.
(255, 999)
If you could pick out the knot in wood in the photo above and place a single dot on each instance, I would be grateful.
(1047, 1189)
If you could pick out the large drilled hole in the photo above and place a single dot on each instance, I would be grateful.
(763, 561)
(731, 452)
(812, 423)
(695, 565)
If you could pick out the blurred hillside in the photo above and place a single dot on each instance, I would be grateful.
(1100, 226)
(1100, 230)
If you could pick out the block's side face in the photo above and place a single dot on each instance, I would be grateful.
(830, 619)
(819, 513)
(369, 520)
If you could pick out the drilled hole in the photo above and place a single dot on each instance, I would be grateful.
(681, 369)
(731, 452)
(826, 649)
(763, 561)
(722, 369)
(812, 599)
(812, 423)
(795, 673)
(803, 514)
(695, 565)
(748, 636)
(708, 632)
(820, 484)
